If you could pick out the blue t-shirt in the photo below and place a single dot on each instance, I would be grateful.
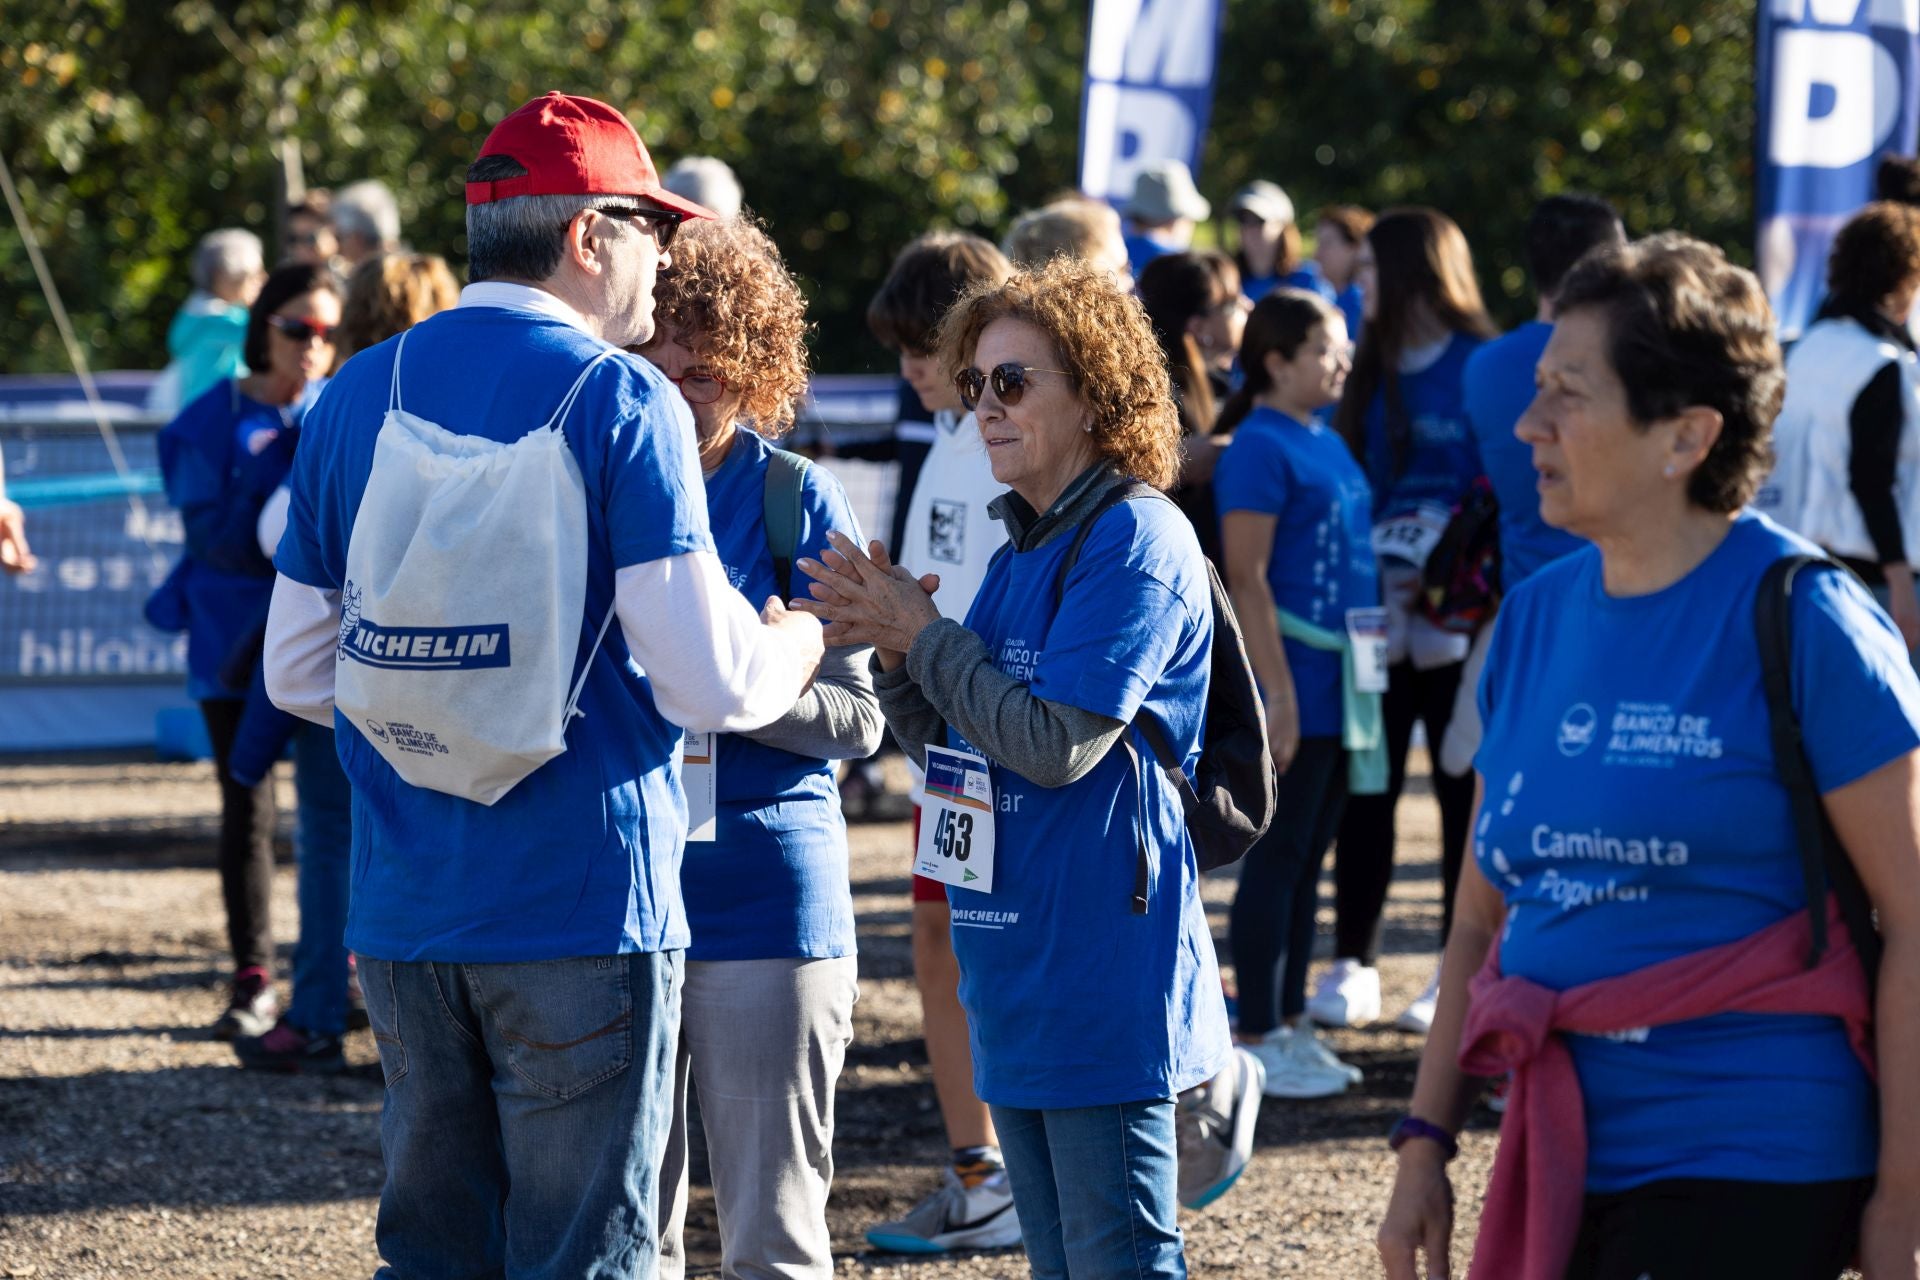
(1322, 563)
(1143, 248)
(1354, 307)
(582, 858)
(1633, 815)
(773, 883)
(1307, 276)
(1071, 999)
(220, 459)
(1440, 459)
(1499, 387)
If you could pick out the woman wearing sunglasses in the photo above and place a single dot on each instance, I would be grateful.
(1088, 1016)
(767, 1009)
(221, 459)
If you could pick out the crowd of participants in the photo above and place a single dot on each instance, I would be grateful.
(1541, 547)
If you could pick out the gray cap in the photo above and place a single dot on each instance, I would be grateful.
(1165, 191)
(1265, 201)
(708, 181)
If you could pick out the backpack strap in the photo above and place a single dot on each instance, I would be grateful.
(393, 388)
(781, 505)
(1822, 858)
(1126, 491)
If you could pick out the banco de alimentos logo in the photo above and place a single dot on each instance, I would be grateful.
(1577, 728)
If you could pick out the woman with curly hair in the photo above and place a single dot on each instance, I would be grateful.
(1086, 968)
(767, 1009)
(391, 293)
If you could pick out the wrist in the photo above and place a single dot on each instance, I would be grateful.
(1416, 1139)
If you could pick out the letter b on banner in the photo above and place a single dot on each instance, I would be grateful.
(1149, 89)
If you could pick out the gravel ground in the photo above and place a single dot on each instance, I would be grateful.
(130, 1145)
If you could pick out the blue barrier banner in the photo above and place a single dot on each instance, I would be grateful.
(1839, 88)
(1148, 91)
(102, 551)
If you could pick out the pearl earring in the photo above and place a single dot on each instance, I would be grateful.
(1668, 472)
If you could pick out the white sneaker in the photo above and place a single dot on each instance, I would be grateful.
(1294, 1067)
(954, 1216)
(1311, 1044)
(1418, 1017)
(1348, 995)
(1213, 1129)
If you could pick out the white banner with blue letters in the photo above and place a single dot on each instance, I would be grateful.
(1149, 89)
(1839, 88)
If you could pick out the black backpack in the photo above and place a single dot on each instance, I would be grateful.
(1230, 803)
(1823, 860)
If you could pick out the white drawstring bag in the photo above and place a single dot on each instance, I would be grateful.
(460, 616)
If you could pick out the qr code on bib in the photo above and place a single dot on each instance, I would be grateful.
(947, 532)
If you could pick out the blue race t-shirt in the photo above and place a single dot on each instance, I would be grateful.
(220, 458)
(1306, 276)
(1440, 459)
(1499, 386)
(1071, 999)
(1633, 815)
(1353, 306)
(773, 883)
(1322, 563)
(582, 857)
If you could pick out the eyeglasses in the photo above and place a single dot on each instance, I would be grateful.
(303, 330)
(662, 224)
(1009, 382)
(699, 388)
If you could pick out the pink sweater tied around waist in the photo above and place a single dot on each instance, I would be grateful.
(1533, 1205)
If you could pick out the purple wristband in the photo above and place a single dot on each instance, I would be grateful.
(1411, 1127)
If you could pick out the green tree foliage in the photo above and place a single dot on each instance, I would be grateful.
(134, 127)
(1480, 107)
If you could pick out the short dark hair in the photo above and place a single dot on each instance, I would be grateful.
(1561, 230)
(283, 286)
(926, 279)
(1898, 178)
(1686, 327)
(1876, 253)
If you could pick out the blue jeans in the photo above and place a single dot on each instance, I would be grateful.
(1095, 1188)
(526, 1111)
(323, 846)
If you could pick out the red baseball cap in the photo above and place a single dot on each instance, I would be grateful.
(573, 146)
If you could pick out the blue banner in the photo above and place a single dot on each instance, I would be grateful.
(1839, 88)
(1149, 89)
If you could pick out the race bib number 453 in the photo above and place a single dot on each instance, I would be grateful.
(956, 826)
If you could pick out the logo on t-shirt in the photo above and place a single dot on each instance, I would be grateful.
(1653, 734)
(947, 531)
(1577, 728)
(1017, 660)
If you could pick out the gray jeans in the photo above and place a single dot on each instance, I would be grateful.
(762, 1041)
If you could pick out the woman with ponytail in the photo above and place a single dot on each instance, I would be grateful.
(1296, 519)
(1403, 414)
(1194, 303)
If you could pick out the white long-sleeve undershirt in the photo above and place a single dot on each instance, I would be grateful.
(711, 662)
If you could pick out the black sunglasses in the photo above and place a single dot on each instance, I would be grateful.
(664, 224)
(303, 330)
(1009, 383)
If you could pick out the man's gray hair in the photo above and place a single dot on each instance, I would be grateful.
(231, 253)
(368, 209)
(708, 181)
(521, 237)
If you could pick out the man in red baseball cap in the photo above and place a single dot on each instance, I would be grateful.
(520, 935)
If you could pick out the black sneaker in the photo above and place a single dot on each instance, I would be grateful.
(251, 1009)
(291, 1049)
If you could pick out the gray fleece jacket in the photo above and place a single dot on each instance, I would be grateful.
(949, 677)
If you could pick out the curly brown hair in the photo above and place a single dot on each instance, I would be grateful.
(1106, 344)
(1686, 327)
(727, 297)
(1875, 254)
(392, 292)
